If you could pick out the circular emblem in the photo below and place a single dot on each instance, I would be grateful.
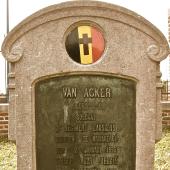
(85, 44)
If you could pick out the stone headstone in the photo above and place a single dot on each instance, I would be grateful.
(84, 88)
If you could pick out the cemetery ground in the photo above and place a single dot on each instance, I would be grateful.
(162, 153)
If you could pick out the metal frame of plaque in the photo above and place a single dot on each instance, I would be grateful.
(85, 122)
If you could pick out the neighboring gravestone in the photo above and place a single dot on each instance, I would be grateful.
(84, 88)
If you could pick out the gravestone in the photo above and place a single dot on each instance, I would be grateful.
(84, 88)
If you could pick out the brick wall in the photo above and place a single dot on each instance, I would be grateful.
(166, 114)
(3, 98)
(166, 118)
(3, 119)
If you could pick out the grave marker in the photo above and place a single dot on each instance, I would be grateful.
(84, 88)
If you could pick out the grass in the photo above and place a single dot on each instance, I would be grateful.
(162, 153)
(7, 155)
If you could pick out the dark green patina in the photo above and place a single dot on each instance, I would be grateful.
(85, 122)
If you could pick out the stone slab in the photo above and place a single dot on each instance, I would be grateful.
(36, 50)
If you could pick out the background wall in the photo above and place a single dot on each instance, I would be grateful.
(3, 116)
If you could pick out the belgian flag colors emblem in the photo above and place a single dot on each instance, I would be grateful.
(85, 44)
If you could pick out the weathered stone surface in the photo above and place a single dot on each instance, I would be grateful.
(133, 50)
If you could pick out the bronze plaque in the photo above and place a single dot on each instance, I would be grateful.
(85, 122)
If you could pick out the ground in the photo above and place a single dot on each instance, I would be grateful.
(162, 153)
(7, 155)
